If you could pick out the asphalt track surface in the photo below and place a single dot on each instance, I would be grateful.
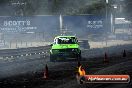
(28, 73)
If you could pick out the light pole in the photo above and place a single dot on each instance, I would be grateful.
(107, 2)
(113, 16)
(106, 23)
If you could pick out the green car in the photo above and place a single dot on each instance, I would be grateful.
(65, 48)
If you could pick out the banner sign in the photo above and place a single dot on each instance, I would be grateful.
(27, 24)
(86, 23)
(79, 24)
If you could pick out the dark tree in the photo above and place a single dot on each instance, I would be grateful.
(128, 9)
(56, 7)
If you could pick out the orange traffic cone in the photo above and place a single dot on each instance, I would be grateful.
(46, 73)
(124, 53)
(106, 60)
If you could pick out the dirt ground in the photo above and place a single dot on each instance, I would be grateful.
(64, 75)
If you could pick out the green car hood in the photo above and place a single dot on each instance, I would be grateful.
(64, 46)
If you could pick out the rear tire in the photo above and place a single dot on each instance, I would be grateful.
(79, 57)
(52, 58)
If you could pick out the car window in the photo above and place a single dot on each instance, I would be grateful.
(65, 40)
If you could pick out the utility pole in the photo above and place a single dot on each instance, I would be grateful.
(113, 13)
(106, 24)
(61, 25)
(63, 30)
(106, 13)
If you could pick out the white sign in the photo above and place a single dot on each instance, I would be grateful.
(17, 26)
(95, 24)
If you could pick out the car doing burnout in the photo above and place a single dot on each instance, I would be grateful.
(65, 48)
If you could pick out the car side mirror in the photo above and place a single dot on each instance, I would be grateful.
(51, 44)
